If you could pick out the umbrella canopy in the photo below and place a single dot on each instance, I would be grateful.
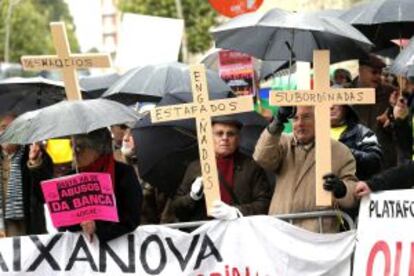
(383, 20)
(150, 83)
(19, 95)
(66, 118)
(404, 60)
(176, 143)
(279, 35)
(265, 69)
(95, 86)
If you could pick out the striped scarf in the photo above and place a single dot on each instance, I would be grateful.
(14, 196)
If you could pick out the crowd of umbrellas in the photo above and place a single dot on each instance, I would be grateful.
(276, 39)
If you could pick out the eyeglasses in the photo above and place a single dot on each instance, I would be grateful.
(221, 133)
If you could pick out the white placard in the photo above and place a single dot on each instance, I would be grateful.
(145, 40)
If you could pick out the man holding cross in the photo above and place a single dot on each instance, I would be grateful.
(243, 185)
(292, 158)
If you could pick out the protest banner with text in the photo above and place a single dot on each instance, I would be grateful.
(385, 234)
(80, 197)
(257, 246)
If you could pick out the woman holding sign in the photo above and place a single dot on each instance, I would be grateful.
(93, 153)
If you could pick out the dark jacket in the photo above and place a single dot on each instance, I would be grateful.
(363, 144)
(34, 213)
(250, 187)
(128, 196)
(401, 177)
(396, 139)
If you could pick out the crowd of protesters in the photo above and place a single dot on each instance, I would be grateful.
(372, 149)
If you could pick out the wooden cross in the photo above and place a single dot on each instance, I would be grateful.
(202, 109)
(322, 97)
(65, 61)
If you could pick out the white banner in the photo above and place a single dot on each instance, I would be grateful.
(385, 234)
(249, 246)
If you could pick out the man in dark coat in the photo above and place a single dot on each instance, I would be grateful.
(362, 141)
(243, 184)
(21, 170)
(393, 131)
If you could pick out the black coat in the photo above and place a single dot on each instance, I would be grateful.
(396, 139)
(34, 213)
(128, 196)
(250, 187)
(401, 177)
(365, 148)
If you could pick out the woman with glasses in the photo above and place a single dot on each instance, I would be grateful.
(93, 153)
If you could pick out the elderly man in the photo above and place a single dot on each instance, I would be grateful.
(243, 185)
(292, 158)
(21, 202)
(388, 118)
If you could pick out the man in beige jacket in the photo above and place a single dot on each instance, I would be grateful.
(292, 158)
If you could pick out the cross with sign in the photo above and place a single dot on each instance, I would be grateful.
(322, 97)
(202, 109)
(65, 61)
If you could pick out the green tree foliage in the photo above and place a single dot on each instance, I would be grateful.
(29, 27)
(198, 14)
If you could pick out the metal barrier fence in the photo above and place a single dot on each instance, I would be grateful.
(287, 217)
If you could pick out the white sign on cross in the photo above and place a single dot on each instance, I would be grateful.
(322, 97)
(65, 61)
(202, 109)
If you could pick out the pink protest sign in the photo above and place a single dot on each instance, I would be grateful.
(80, 197)
(237, 70)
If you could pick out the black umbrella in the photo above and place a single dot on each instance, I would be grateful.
(18, 95)
(95, 86)
(66, 118)
(404, 60)
(164, 150)
(278, 35)
(150, 83)
(383, 20)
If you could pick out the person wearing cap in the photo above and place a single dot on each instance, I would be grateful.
(244, 188)
(388, 117)
(292, 158)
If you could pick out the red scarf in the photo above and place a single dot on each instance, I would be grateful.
(225, 168)
(104, 164)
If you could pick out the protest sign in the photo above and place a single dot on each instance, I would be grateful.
(322, 97)
(202, 110)
(65, 61)
(147, 44)
(219, 248)
(385, 234)
(232, 8)
(80, 197)
(237, 70)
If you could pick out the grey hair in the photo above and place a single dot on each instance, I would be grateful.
(99, 140)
